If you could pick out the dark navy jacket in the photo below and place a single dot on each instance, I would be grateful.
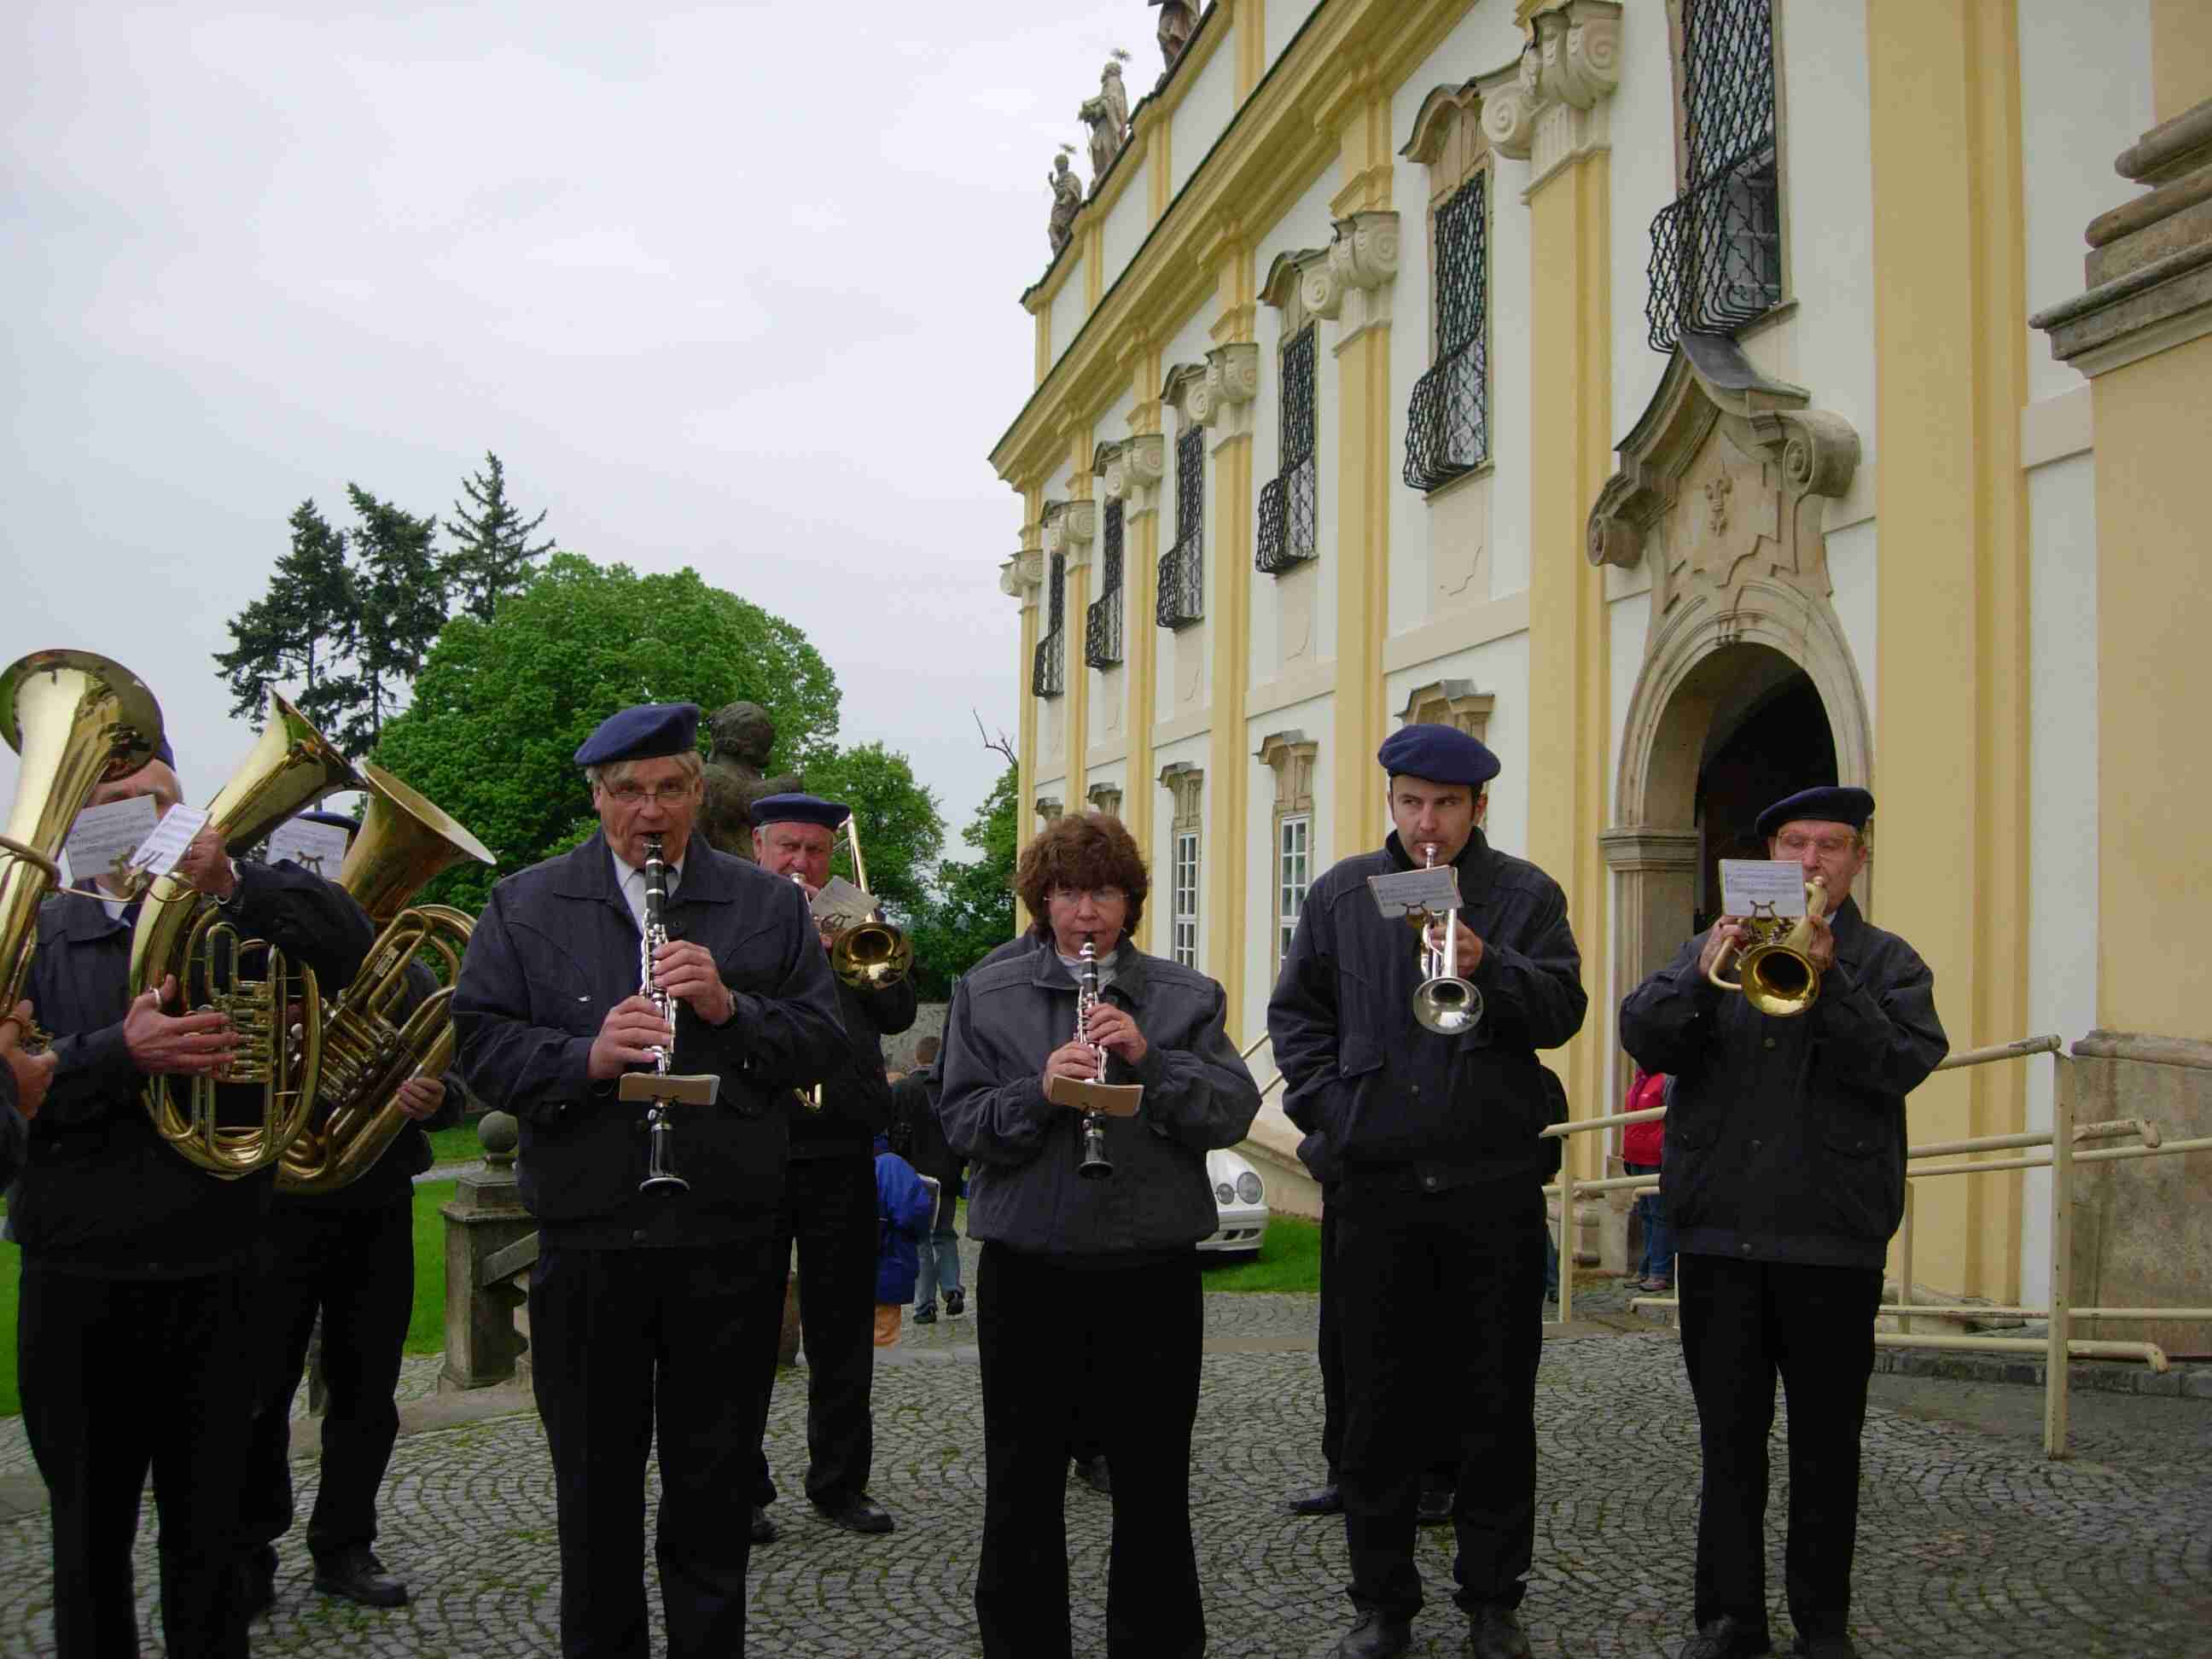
(100, 1191)
(1378, 1096)
(856, 1098)
(1785, 1138)
(555, 947)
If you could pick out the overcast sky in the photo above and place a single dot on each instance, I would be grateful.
(734, 286)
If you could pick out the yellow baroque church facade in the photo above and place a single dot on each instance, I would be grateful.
(1697, 400)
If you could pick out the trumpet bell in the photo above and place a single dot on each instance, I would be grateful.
(871, 955)
(1778, 981)
(1447, 1006)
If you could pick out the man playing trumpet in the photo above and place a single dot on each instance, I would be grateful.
(1783, 1177)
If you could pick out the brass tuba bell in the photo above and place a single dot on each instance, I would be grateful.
(179, 931)
(368, 1047)
(1777, 975)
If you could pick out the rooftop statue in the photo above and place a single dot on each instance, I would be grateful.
(1066, 201)
(1178, 22)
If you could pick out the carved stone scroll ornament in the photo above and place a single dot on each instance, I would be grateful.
(1232, 380)
(1550, 107)
(1353, 283)
(1726, 477)
(1130, 470)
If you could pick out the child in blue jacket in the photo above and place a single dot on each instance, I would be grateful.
(905, 1202)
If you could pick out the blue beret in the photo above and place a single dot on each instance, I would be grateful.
(1829, 805)
(1441, 754)
(643, 732)
(335, 820)
(799, 809)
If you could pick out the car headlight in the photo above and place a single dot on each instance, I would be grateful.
(1225, 1194)
(1248, 1187)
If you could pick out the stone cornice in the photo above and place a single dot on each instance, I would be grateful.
(1551, 108)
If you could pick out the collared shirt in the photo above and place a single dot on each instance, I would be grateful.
(1074, 966)
(631, 880)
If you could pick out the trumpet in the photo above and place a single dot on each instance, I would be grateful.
(1443, 1002)
(1094, 1165)
(1776, 974)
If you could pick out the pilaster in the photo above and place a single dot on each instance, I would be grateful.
(1132, 472)
(1021, 579)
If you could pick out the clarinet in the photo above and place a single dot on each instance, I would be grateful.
(1094, 1165)
(660, 1163)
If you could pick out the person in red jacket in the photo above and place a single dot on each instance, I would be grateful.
(1639, 1155)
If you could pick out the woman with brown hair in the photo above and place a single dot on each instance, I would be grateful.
(1087, 1293)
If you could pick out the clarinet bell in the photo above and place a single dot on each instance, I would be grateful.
(660, 1175)
(1095, 1164)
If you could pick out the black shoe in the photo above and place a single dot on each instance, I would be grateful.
(955, 1304)
(1324, 1500)
(1435, 1508)
(1093, 1473)
(257, 1580)
(1727, 1638)
(1838, 1646)
(861, 1514)
(1494, 1632)
(925, 1314)
(765, 1531)
(1375, 1635)
(358, 1576)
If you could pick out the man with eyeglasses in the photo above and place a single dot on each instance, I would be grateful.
(1088, 1312)
(651, 1312)
(1783, 1177)
(829, 1209)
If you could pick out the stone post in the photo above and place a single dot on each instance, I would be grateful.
(489, 1238)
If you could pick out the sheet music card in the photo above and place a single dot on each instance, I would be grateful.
(1762, 887)
(158, 854)
(1433, 890)
(319, 848)
(103, 838)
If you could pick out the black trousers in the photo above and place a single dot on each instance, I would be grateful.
(1441, 1316)
(356, 1268)
(1132, 1336)
(119, 1377)
(626, 1344)
(1744, 1323)
(1443, 1472)
(830, 1209)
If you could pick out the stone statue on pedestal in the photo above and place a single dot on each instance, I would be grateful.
(1067, 202)
(1178, 22)
(744, 735)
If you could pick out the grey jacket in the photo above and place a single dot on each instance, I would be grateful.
(1022, 1189)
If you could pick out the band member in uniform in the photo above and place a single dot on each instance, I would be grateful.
(830, 1200)
(1783, 1176)
(1429, 1144)
(138, 1267)
(648, 1307)
(350, 1256)
(1089, 1285)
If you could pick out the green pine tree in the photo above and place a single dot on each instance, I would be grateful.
(492, 554)
(400, 592)
(302, 631)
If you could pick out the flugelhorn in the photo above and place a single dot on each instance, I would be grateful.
(1443, 1002)
(1777, 976)
(78, 720)
(372, 1042)
(181, 933)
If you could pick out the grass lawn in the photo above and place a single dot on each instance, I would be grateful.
(458, 1145)
(1289, 1261)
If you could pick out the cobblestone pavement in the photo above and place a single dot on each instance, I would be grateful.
(1969, 1543)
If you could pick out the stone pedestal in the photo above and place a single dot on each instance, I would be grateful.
(491, 1240)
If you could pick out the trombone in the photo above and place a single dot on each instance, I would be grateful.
(1443, 1002)
(1776, 972)
(868, 954)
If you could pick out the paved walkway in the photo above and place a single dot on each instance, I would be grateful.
(1971, 1544)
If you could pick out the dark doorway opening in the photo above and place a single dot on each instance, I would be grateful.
(1778, 743)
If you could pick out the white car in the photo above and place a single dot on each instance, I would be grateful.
(1241, 1201)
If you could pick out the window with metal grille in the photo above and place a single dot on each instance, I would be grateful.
(1182, 571)
(1102, 620)
(1048, 673)
(1716, 249)
(1448, 422)
(1293, 875)
(1183, 911)
(1287, 504)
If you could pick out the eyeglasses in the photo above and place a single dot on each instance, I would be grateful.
(1098, 895)
(1828, 846)
(637, 794)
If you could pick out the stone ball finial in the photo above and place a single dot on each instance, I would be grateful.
(500, 1135)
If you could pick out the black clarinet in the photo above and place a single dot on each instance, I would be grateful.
(1094, 1165)
(660, 1161)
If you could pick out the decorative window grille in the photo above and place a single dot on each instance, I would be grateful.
(1182, 571)
(1293, 875)
(1183, 912)
(1448, 423)
(1716, 249)
(1287, 504)
(1049, 675)
(1102, 622)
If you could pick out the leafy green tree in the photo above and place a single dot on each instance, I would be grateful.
(300, 633)
(492, 554)
(972, 911)
(901, 831)
(501, 705)
(399, 588)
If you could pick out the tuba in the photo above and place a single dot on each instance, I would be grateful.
(1777, 975)
(868, 954)
(370, 1046)
(78, 722)
(181, 933)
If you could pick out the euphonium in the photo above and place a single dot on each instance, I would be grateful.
(1443, 1002)
(181, 933)
(371, 1043)
(78, 720)
(869, 954)
(1777, 976)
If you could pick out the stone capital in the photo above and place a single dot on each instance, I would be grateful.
(1130, 472)
(1550, 108)
(1352, 285)
(1232, 380)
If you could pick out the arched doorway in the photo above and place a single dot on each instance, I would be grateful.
(1776, 742)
